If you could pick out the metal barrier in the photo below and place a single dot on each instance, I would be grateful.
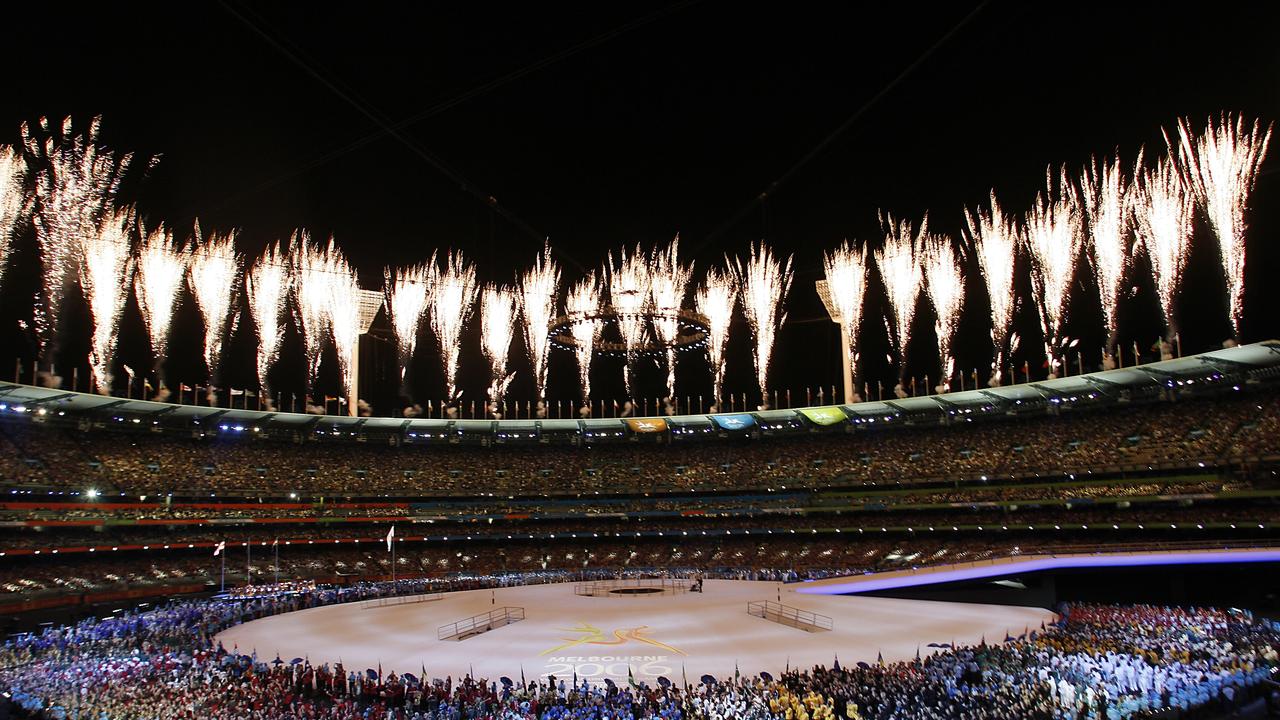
(632, 587)
(482, 623)
(402, 600)
(787, 615)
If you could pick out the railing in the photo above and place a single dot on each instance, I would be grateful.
(402, 600)
(632, 587)
(787, 615)
(482, 623)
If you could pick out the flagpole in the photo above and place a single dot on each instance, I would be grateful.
(224, 571)
(248, 579)
(276, 545)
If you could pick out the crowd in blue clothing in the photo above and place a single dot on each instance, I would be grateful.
(1099, 662)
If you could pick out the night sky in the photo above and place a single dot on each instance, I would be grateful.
(632, 122)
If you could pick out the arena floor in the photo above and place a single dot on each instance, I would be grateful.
(601, 637)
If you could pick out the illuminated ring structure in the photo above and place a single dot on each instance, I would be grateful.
(691, 333)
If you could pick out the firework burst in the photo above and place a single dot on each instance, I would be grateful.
(73, 191)
(268, 290)
(1162, 211)
(497, 328)
(311, 281)
(106, 271)
(900, 271)
(451, 306)
(408, 294)
(162, 268)
(583, 304)
(13, 199)
(344, 315)
(995, 239)
(1105, 195)
(846, 274)
(668, 284)
(630, 292)
(1055, 237)
(1221, 167)
(714, 300)
(538, 288)
(945, 287)
(764, 282)
(215, 277)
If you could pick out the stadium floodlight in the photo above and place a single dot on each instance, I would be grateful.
(833, 310)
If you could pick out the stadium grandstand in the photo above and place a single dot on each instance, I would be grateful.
(110, 502)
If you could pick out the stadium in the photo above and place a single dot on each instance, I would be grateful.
(1015, 454)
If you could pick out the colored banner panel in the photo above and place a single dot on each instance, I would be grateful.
(824, 415)
(741, 421)
(646, 425)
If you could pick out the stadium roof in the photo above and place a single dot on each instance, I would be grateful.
(1229, 364)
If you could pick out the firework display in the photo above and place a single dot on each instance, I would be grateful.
(215, 278)
(106, 272)
(451, 305)
(267, 286)
(344, 314)
(582, 304)
(1095, 220)
(74, 187)
(1054, 237)
(407, 294)
(1221, 165)
(161, 269)
(630, 293)
(996, 239)
(945, 287)
(1105, 195)
(13, 199)
(900, 271)
(1162, 211)
(669, 282)
(764, 282)
(497, 329)
(537, 296)
(714, 300)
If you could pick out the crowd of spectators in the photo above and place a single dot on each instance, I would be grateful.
(1024, 515)
(55, 511)
(807, 554)
(1113, 662)
(1181, 434)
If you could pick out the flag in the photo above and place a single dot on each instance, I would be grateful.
(390, 534)
(685, 676)
(217, 549)
(917, 652)
(183, 387)
(879, 658)
(737, 676)
(523, 685)
(833, 667)
(631, 679)
(275, 542)
(236, 393)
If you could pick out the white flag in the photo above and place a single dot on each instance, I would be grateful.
(217, 549)
(390, 534)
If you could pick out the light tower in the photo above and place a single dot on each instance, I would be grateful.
(846, 359)
(370, 302)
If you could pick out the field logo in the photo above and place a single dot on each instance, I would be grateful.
(592, 635)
